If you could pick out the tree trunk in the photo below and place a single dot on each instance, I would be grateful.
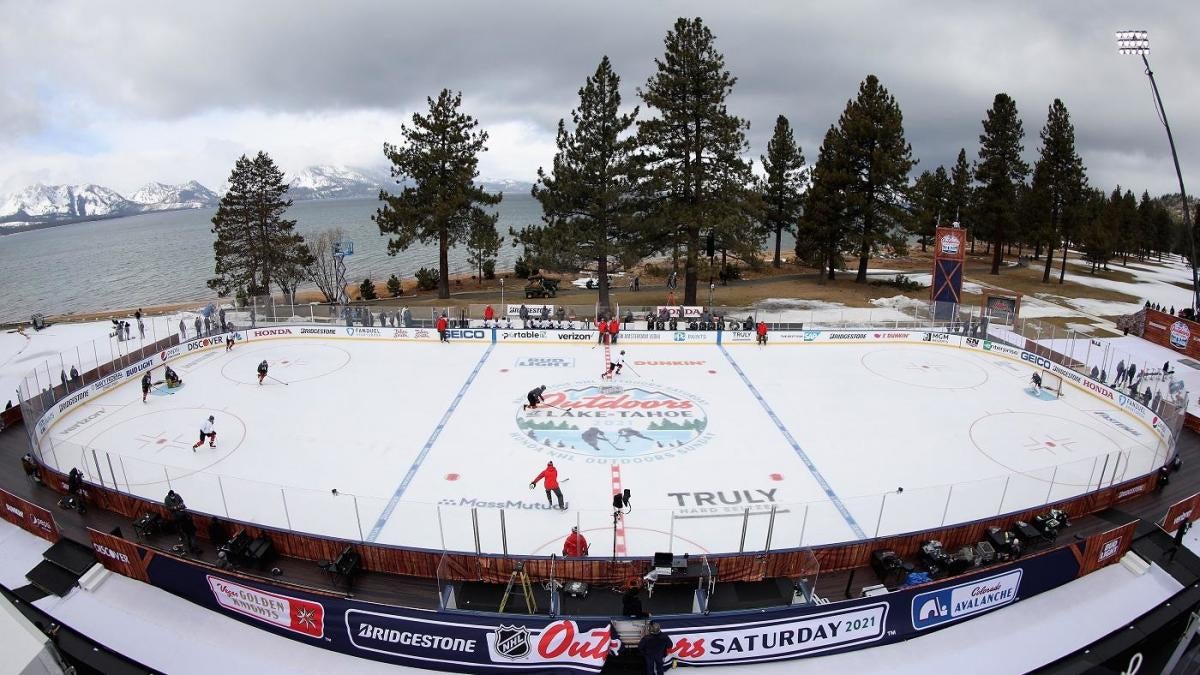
(690, 271)
(922, 244)
(1049, 263)
(997, 254)
(1062, 272)
(864, 256)
(602, 277)
(832, 266)
(444, 264)
(778, 240)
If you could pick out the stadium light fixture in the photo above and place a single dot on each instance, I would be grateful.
(1137, 43)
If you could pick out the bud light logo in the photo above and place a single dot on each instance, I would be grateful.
(1180, 335)
(958, 602)
(613, 421)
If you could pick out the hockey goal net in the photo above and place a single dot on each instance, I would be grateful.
(1051, 383)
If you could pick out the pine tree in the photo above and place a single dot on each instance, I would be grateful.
(1099, 236)
(872, 160)
(395, 289)
(440, 202)
(588, 196)
(780, 191)
(958, 200)
(1059, 180)
(483, 244)
(999, 170)
(929, 204)
(820, 237)
(693, 148)
(1129, 226)
(254, 241)
(366, 290)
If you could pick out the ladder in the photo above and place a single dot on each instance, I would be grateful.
(520, 576)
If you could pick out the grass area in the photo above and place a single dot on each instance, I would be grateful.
(1112, 274)
(1028, 281)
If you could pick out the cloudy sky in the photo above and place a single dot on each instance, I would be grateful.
(124, 93)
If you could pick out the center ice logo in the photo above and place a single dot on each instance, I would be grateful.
(613, 421)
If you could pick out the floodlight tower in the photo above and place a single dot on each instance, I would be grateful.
(1137, 42)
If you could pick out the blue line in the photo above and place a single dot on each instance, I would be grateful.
(437, 431)
(812, 468)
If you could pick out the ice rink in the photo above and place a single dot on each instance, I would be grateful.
(821, 443)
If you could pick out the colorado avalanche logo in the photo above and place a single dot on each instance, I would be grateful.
(612, 421)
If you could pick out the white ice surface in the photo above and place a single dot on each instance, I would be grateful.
(957, 429)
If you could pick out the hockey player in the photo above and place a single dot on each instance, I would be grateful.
(262, 372)
(761, 329)
(171, 378)
(535, 396)
(206, 431)
(614, 327)
(442, 325)
(550, 474)
(228, 341)
(1036, 381)
(601, 330)
(145, 386)
(615, 366)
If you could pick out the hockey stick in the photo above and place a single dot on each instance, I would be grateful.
(564, 480)
(278, 380)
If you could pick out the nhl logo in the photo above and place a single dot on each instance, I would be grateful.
(512, 642)
(950, 244)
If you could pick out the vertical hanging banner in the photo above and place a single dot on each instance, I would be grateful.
(949, 252)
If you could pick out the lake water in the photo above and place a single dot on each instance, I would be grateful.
(161, 258)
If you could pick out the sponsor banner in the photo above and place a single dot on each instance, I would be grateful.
(1182, 511)
(118, 555)
(940, 338)
(664, 362)
(945, 605)
(533, 311)
(784, 638)
(545, 362)
(740, 337)
(318, 331)
(522, 335)
(1180, 335)
(168, 354)
(708, 337)
(415, 334)
(28, 516)
(303, 617)
(1106, 548)
(646, 336)
(259, 333)
(679, 311)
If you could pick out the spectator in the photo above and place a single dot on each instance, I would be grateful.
(128, 330)
(75, 376)
(488, 315)
(523, 313)
(30, 465)
(141, 328)
(207, 326)
(1120, 372)
(1095, 373)
(654, 647)
(138, 314)
(575, 546)
(173, 501)
(62, 374)
(197, 322)
(221, 314)
(187, 531)
(182, 330)
(637, 284)
(8, 405)
(1132, 372)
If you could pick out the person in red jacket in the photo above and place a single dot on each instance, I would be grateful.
(761, 329)
(488, 315)
(550, 474)
(575, 545)
(442, 324)
(614, 327)
(601, 330)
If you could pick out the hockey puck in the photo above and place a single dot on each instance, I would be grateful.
(712, 372)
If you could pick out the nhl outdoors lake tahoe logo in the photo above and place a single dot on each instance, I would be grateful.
(1180, 334)
(950, 243)
(614, 421)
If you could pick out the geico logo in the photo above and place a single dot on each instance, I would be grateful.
(1036, 360)
(263, 332)
(574, 336)
(464, 334)
(317, 331)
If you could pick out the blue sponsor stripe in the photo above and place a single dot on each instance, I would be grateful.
(787, 435)
(437, 431)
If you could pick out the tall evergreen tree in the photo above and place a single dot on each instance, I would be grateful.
(999, 170)
(483, 244)
(1129, 226)
(873, 160)
(254, 240)
(929, 204)
(1100, 232)
(589, 196)
(958, 201)
(781, 189)
(438, 161)
(693, 148)
(820, 237)
(1059, 179)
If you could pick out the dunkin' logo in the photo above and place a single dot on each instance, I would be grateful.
(1180, 335)
(619, 420)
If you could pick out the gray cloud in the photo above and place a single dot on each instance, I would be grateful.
(523, 61)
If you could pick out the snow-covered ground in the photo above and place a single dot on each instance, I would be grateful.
(413, 435)
(40, 357)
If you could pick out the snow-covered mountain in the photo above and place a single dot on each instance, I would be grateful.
(161, 197)
(50, 202)
(334, 182)
(508, 186)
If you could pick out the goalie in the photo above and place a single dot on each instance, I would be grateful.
(172, 379)
(1036, 381)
